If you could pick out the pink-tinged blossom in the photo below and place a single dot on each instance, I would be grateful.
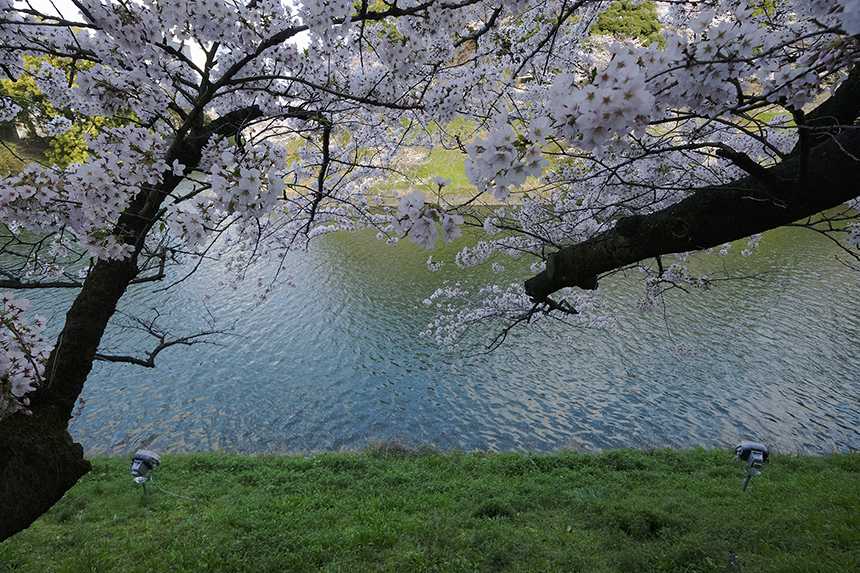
(23, 353)
(411, 205)
(852, 236)
(539, 129)
(451, 229)
(424, 232)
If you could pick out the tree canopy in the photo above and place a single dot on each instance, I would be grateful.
(231, 133)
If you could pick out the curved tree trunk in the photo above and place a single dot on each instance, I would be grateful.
(39, 461)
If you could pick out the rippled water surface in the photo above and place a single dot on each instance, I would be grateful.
(338, 362)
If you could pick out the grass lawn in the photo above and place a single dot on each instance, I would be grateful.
(391, 509)
(419, 172)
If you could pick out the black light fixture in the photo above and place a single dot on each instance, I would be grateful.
(754, 455)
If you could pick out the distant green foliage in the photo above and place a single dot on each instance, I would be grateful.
(760, 7)
(9, 162)
(69, 147)
(628, 20)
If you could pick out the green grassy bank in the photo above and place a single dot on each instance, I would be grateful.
(390, 509)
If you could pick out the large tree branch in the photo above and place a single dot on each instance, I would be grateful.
(712, 216)
(820, 173)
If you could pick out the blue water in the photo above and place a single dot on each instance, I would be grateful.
(337, 362)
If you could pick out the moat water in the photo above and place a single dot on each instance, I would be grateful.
(338, 361)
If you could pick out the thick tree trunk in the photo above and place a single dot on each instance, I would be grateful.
(39, 461)
(778, 196)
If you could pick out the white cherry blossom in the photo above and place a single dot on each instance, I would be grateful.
(315, 101)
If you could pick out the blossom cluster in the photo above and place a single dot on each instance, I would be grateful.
(852, 236)
(463, 309)
(634, 128)
(417, 220)
(24, 351)
(502, 161)
(87, 199)
(242, 189)
(675, 275)
(8, 109)
(615, 104)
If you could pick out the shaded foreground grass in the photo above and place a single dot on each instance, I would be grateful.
(391, 509)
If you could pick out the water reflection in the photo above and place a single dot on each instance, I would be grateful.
(338, 361)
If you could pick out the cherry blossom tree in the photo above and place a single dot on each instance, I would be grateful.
(231, 143)
(742, 121)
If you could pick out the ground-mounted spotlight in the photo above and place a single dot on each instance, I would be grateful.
(751, 457)
(142, 462)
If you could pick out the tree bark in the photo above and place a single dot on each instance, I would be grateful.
(713, 215)
(39, 461)
(820, 173)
